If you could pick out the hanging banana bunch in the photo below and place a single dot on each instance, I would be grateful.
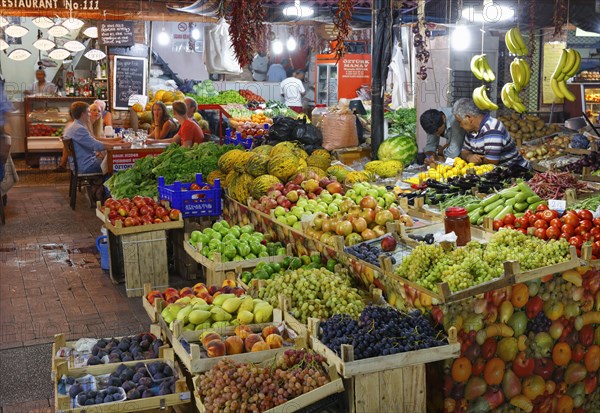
(481, 99)
(510, 98)
(481, 68)
(567, 67)
(515, 43)
(520, 73)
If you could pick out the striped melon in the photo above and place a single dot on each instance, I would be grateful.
(257, 165)
(229, 179)
(215, 175)
(263, 149)
(300, 153)
(283, 166)
(282, 147)
(261, 185)
(400, 148)
(319, 158)
(242, 160)
(229, 159)
(313, 170)
(301, 163)
(240, 189)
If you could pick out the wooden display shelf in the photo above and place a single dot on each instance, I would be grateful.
(60, 342)
(119, 229)
(336, 385)
(62, 403)
(215, 269)
(418, 210)
(195, 363)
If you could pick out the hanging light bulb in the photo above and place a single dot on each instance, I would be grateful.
(44, 44)
(73, 24)
(277, 47)
(92, 32)
(3, 45)
(59, 54)
(95, 54)
(195, 34)
(19, 54)
(43, 22)
(16, 30)
(74, 46)
(58, 31)
(291, 44)
(297, 10)
(163, 37)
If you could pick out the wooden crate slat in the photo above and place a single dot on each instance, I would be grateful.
(392, 390)
(366, 393)
(120, 230)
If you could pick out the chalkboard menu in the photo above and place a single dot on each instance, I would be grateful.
(115, 33)
(129, 78)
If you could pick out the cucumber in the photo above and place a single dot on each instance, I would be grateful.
(533, 199)
(495, 211)
(511, 201)
(489, 200)
(532, 207)
(520, 206)
(521, 197)
(493, 205)
(506, 210)
(473, 206)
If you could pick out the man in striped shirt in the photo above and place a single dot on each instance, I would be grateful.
(487, 140)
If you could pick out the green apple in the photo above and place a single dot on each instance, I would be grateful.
(338, 196)
(321, 208)
(326, 197)
(291, 219)
(351, 193)
(195, 236)
(302, 202)
(389, 198)
(279, 211)
(381, 191)
(373, 192)
(298, 213)
(297, 225)
(381, 202)
(332, 209)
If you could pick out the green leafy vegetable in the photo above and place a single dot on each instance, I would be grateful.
(403, 122)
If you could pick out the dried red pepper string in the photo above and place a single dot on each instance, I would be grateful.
(531, 30)
(560, 11)
(341, 20)
(247, 29)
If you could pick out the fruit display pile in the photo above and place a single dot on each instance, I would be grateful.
(234, 243)
(267, 271)
(550, 148)
(40, 129)
(532, 347)
(442, 171)
(316, 293)
(476, 263)
(139, 347)
(139, 211)
(380, 331)
(243, 340)
(200, 290)
(254, 388)
(371, 251)
(528, 127)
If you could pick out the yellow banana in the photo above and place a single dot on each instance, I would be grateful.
(526, 70)
(515, 73)
(481, 99)
(576, 65)
(559, 66)
(519, 42)
(517, 104)
(509, 43)
(566, 92)
(490, 105)
(504, 96)
(487, 69)
(569, 63)
(557, 92)
(475, 66)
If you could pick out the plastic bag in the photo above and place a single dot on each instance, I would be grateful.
(218, 51)
(282, 129)
(307, 134)
(339, 131)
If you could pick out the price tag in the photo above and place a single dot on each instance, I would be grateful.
(557, 204)
(141, 99)
(449, 161)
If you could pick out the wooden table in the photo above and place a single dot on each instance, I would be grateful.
(120, 159)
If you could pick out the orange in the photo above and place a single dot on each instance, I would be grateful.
(494, 371)
(592, 358)
(565, 404)
(520, 295)
(461, 369)
(561, 354)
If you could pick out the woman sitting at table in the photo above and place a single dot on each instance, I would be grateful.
(189, 131)
(164, 126)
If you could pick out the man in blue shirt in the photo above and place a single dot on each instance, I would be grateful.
(441, 124)
(276, 73)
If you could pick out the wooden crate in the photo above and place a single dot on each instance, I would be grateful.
(59, 342)
(336, 385)
(182, 395)
(194, 363)
(119, 229)
(350, 155)
(215, 269)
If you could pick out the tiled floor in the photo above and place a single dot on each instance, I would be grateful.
(51, 282)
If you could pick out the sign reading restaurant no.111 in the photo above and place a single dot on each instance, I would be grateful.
(51, 4)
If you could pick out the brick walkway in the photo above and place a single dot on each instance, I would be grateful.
(51, 282)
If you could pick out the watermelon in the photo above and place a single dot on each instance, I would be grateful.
(399, 148)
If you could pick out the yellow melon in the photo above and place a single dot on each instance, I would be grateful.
(159, 95)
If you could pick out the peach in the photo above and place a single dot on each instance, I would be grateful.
(260, 346)
(238, 291)
(242, 331)
(170, 292)
(186, 291)
(206, 297)
(252, 340)
(153, 295)
(274, 341)
(268, 330)
(228, 282)
(199, 288)
(210, 337)
(215, 348)
(213, 289)
(234, 345)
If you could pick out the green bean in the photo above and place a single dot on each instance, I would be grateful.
(591, 203)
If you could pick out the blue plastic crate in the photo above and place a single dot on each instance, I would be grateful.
(246, 143)
(192, 203)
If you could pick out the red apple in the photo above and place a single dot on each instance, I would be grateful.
(368, 202)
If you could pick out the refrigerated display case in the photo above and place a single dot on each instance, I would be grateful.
(327, 84)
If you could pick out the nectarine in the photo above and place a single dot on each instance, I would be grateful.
(268, 330)
(228, 282)
(251, 340)
(209, 337)
(215, 348)
(260, 346)
(234, 345)
(274, 341)
(242, 331)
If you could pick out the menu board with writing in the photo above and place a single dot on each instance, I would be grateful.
(129, 78)
(552, 53)
(115, 33)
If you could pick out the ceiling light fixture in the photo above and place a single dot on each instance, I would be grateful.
(490, 13)
(296, 10)
(95, 54)
(277, 46)
(74, 46)
(73, 24)
(59, 54)
(291, 44)
(19, 54)
(58, 31)
(44, 44)
(461, 37)
(43, 22)
(92, 32)
(195, 34)
(163, 37)
(16, 30)
(3, 45)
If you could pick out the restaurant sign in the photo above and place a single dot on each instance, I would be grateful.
(50, 4)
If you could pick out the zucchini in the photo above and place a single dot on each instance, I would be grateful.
(526, 189)
(473, 206)
(495, 211)
(520, 206)
(532, 207)
(506, 210)
(521, 197)
(533, 199)
(493, 205)
(489, 200)
(511, 201)
(475, 217)
(509, 193)
(480, 221)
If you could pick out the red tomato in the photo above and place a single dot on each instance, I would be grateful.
(521, 222)
(586, 236)
(557, 223)
(571, 219)
(587, 224)
(509, 219)
(522, 230)
(540, 215)
(528, 213)
(565, 236)
(596, 248)
(595, 232)
(585, 214)
(532, 218)
(541, 207)
(577, 240)
(498, 223)
(552, 233)
(547, 215)
(540, 223)
(596, 222)
(568, 229)
(541, 233)
(580, 230)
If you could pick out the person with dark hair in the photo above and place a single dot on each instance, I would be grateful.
(487, 140)
(292, 89)
(164, 126)
(441, 124)
(189, 132)
(41, 86)
(192, 108)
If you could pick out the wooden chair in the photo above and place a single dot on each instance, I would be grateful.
(77, 180)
